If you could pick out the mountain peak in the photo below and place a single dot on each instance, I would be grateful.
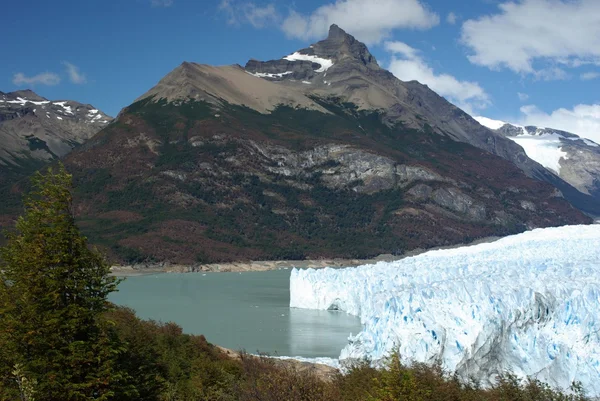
(340, 50)
(336, 33)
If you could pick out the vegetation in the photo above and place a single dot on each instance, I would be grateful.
(53, 292)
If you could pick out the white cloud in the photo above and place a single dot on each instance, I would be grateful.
(522, 96)
(451, 18)
(76, 76)
(45, 78)
(550, 74)
(525, 34)
(161, 3)
(369, 20)
(402, 49)
(587, 76)
(248, 13)
(408, 65)
(583, 119)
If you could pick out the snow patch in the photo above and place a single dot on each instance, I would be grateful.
(270, 75)
(59, 117)
(64, 105)
(23, 101)
(545, 149)
(325, 63)
(306, 82)
(489, 123)
(527, 303)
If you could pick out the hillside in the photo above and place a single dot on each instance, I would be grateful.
(190, 181)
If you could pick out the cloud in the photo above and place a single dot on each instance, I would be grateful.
(248, 13)
(74, 74)
(583, 119)
(587, 76)
(408, 65)
(45, 78)
(369, 20)
(451, 18)
(526, 35)
(550, 74)
(161, 3)
(522, 96)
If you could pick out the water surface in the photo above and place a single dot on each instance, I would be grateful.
(239, 311)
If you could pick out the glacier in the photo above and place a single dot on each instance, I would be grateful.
(527, 304)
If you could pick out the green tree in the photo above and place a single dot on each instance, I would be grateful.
(54, 344)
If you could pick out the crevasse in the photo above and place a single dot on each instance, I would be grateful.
(527, 304)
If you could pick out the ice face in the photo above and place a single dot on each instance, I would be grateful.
(528, 304)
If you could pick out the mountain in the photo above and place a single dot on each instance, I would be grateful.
(574, 159)
(342, 66)
(35, 131)
(320, 154)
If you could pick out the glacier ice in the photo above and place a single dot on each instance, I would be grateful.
(527, 304)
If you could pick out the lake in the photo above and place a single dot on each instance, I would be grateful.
(247, 311)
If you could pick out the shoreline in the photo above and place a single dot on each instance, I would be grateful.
(324, 372)
(260, 266)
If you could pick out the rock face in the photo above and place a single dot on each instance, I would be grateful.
(574, 159)
(34, 130)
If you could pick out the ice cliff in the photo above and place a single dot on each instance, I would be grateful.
(528, 304)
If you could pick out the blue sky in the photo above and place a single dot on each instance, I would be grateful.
(525, 61)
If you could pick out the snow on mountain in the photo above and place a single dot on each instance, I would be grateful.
(527, 303)
(325, 63)
(489, 123)
(35, 129)
(574, 159)
(545, 149)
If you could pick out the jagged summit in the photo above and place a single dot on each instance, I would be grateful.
(337, 33)
(339, 50)
(340, 45)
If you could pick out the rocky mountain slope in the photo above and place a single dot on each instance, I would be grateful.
(334, 159)
(342, 67)
(574, 159)
(34, 131)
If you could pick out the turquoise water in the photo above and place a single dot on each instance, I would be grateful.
(247, 311)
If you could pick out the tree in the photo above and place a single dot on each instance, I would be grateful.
(54, 344)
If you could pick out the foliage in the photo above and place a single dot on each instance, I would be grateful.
(168, 365)
(53, 291)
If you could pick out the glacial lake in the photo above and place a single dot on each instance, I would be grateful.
(247, 311)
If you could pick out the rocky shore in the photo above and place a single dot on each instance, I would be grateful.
(257, 266)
